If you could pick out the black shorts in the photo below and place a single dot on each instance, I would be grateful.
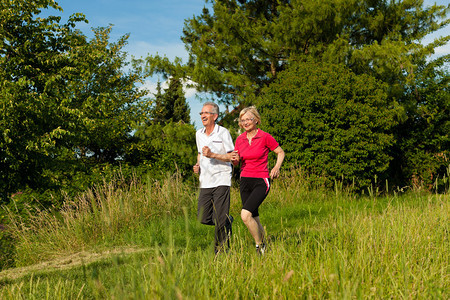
(253, 193)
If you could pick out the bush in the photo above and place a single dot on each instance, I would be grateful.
(167, 147)
(331, 122)
(423, 138)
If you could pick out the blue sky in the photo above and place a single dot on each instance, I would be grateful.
(155, 27)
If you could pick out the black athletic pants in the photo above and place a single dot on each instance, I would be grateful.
(253, 193)
(213, 209)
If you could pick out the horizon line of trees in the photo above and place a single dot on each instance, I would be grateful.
(346, 87)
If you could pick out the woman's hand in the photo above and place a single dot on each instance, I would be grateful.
(275, 173)
(235, 157)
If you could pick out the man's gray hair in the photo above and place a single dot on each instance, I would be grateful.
(214, 105)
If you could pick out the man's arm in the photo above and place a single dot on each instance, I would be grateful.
(223, 157)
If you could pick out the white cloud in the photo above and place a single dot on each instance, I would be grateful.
(143, 49)
(443, 50)
(151, 86)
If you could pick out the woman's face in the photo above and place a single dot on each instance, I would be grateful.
(248, 121)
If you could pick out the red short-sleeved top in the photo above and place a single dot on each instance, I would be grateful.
(254, 157)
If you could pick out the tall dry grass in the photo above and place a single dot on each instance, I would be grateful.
(99, 217)
(322, 244)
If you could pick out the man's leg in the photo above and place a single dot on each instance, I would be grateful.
(205, 207)
(221, 216)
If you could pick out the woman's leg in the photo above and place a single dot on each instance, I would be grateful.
(261, 228)
(253, 225)
(253, 193)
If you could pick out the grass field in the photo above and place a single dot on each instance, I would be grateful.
(142, 241)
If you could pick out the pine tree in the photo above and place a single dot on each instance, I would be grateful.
(238, 47)
(170, 106)
(177, 109)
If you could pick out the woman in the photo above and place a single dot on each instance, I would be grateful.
(252, 150)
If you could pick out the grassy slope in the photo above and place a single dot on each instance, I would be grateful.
(142, 241)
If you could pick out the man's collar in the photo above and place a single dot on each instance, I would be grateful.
(215, 130)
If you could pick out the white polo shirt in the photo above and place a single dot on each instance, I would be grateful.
(214, 172)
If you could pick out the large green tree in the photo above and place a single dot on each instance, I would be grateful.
(166, 141)
(422, 156)
(331, 122)
(64, 99)
(238, 47)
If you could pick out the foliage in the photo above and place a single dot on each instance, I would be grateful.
(165, 142)
(110, 102)
(65, 102)
(166, 147)
(331, 121)
(171, 106)
(7, 250)
(236, 48)
(424, 136)
(32, 62)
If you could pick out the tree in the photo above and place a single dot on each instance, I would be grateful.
(423, 151)
(32, 61)
(172, 105)
(241, 46)
(331, 122)
(168, 147)
(167, 141)
(64, 99)
(238, 48)
(176, 103)
(110, 102)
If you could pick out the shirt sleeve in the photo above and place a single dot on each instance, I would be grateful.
(271, 143)
(228, 142)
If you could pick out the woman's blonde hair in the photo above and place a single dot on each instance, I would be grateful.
(252, 109)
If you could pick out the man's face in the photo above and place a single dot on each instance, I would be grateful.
(207, 115)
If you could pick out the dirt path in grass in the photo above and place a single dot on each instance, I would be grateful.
(67, 262)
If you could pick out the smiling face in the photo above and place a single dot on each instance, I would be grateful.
(207, 115)
(248, 121)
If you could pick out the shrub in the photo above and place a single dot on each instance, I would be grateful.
(331, 121)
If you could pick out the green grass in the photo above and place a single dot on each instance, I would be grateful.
(322, 244)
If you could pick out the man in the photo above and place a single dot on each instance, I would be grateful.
(214, 143)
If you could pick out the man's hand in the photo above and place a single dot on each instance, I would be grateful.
(207, 152)
(197, 168)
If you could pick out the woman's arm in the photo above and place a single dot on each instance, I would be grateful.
(275, 172)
